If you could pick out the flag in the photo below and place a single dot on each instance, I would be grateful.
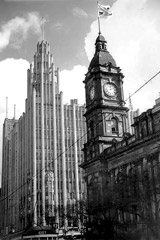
(104, 10)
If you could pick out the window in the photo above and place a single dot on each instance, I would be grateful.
(114, 125)
(92, 129)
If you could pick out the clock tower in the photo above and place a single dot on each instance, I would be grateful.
(105, 107)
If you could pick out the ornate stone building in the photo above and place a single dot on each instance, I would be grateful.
(41, 152)
(105, 111)
(121, 169)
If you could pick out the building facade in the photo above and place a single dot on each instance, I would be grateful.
(122, 165)
(41, 179)
(133, 167)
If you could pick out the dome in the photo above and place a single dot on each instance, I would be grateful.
(101, 57)
(100, 38)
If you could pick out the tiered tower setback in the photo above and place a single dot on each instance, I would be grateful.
(46, 143)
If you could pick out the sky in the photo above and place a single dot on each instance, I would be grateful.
(71, 27)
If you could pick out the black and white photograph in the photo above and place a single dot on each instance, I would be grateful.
(79, 119)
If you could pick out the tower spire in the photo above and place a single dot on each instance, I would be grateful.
(14, 111)
(42, 24)
(6, 107)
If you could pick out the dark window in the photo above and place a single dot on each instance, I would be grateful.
(114, 125)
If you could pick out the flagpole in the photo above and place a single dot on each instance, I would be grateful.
(99, 26)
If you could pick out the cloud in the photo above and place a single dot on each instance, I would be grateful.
(71, 84)
(39, 0)
(34, 0)
(134, 41)
(13, 86)
(78, 12)
(17, 30)
(58, 26)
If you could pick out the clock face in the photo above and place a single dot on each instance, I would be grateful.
(110, 89)
(92, 93)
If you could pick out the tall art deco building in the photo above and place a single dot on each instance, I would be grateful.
(42, 151)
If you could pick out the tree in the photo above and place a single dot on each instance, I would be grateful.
(131, 203)
(148, 203)
(106, 216)
(126, 203)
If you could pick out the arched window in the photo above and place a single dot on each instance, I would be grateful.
(92, 129)
(114, 125)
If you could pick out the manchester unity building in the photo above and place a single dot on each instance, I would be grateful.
(42, 152)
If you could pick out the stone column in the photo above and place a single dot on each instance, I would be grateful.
(42, 139)
(63, 157)
(76, 159)
(34, 160)
(55, 146)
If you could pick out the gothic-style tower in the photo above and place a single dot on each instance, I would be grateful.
(40, 161)
(105, 111)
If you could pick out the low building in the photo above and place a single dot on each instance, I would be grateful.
(127, 174)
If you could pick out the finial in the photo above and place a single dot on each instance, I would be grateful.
(14, 111)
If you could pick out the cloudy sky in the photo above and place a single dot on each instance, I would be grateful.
(132, 34)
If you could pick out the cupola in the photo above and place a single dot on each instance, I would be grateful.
(101, 57)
